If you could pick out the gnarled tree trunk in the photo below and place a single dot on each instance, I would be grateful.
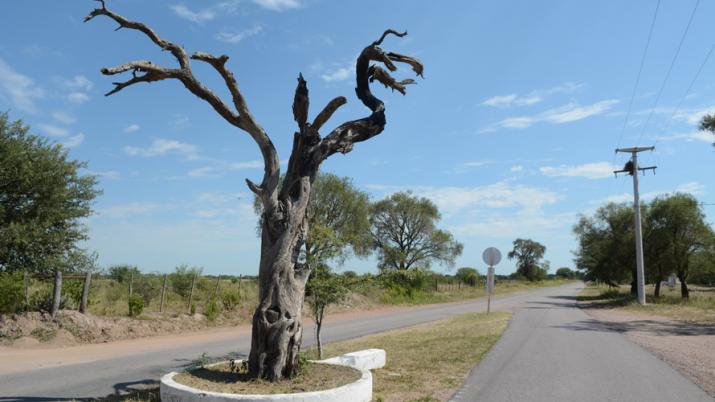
(277, 328)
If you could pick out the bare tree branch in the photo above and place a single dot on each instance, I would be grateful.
(342, 138)
(327, 112)
(240, 118)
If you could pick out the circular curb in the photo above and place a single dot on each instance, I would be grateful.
(358, 391)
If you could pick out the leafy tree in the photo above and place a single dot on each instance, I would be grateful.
(337, 220)
(324, 288)
(43, 199)
(467, 275)
(565, 273)
(528, 254)
(182, 278)
(121, 273)
(405, 233)
(708, 124)
(606, 244)
(680, 223)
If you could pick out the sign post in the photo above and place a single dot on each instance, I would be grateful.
(491, 257)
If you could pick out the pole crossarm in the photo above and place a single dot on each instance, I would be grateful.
(634, 149)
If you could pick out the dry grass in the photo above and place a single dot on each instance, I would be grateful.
(312, 377)
(429, 361)
(700, 308)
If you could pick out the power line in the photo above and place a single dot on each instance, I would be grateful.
(670, 69)
(687, 92)
(638, 77)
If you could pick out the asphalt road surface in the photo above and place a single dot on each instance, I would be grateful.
(553, 351)
(111, 375)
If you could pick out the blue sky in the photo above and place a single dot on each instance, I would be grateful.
(511, 132)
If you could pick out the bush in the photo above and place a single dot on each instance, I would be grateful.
(193, 308)
(182, 277)
(72, 291)
(122, 273)
(11, 293)
(212, 309)
(230, 299)
(42, 300)
(405, 284)
(136, 304)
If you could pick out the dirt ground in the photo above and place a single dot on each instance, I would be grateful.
(688, 347)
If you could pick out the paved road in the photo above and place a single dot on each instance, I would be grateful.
(553, 351)
(107, 376)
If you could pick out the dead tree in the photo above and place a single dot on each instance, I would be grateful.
(277, 329)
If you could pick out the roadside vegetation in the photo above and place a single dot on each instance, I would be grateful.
(699, 307)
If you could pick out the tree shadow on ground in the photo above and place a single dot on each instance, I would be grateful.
(652, 327)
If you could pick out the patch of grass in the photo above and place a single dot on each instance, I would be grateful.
(43, 334)
(429, 361)
(221, 378)
(700, 307)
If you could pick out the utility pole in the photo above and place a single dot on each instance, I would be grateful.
(632, 169)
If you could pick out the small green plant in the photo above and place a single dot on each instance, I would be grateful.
(212, 309)
(72, 291)
(202, 361)
(193, 308)
(303, 362)
(136, 305)
(43, 334)
(230, 299)
(42, 300)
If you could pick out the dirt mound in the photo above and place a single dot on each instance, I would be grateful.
(71, 327)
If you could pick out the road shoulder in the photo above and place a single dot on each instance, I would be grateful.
(687, 347)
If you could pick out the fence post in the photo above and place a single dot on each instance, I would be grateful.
(57, 294)
(26, 280)
(191, 292)
(240, 278)
(131, 281)
(218, 278)
(163, 291)
(85, 293)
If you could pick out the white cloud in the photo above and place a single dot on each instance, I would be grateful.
(128, 210)
(563, 114)
(235, 37)
(689, 137)
(73, 141)
(63, 117)
(162, 146)
(53, 131)
(77, 97)
(222, 166)
(107, 174)
(78, 83)
(500, 100)
(338, 74)
(278, 5)
(692, 187)
(596, 170)
(523, 224)
(516, 168)
(20, 89)
(479, 163)
(573, 112)
(532, 98)
(206, 14)
(131, 128)
(180, 122)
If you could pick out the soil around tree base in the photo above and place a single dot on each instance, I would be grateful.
(313, 377)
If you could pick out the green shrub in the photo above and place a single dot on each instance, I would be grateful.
(182, 277)
(405, 284)
(11, 293)
(136, 304)
(230, 299)
(42, 300)
(212, 309)
(193, 308)
(72, 292)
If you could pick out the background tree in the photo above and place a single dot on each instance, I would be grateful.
(43, 198)
(123, 272)
(405, 233)
(678, 221)
(467, 275)
(565, 273)
(528, 254)
(323, 289)
(277, 327)
(605, 244)
(708, 124)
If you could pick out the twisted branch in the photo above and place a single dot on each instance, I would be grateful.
(240, 117)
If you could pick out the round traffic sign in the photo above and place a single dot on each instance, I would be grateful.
(491, 256)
